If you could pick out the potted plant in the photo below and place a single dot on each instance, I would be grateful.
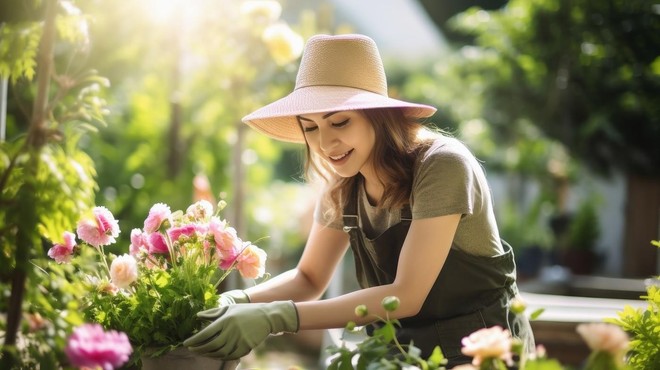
(582, 233)
(172, 271)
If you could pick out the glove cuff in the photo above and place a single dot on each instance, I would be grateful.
(239, 296)
(284, 317)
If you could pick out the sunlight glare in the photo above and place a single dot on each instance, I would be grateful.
(162, 11)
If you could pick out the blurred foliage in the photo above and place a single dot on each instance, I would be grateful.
(596, 91)
(183, 74)
(46, 181)
(182, 80)
(546, 88)
(643, 326)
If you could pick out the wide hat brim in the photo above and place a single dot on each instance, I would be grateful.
(278, 119)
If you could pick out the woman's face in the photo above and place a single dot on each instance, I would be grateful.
(343, 139)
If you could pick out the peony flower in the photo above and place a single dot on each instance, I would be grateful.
(139, 242)
(225, 237)
(90, 346)
(158, 214)
(200, 211)
(157, 244)
(123, 271)
(251, 263)
(604, 337)
(176, 232)
(102, 230)
(62, 253)
(283, 43)
(493, 342)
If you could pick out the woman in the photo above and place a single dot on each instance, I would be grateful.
(414, 206)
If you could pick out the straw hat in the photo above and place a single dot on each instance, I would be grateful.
(336, 73)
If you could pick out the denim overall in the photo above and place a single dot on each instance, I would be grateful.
(470, 293)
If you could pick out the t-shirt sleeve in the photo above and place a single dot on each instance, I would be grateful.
(324, 215)
(442, 184)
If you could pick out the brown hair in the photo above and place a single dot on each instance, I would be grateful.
(393, 156)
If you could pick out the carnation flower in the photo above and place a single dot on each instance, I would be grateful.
(486, 343)
(63, 252)
(99, 231)
(123, 271)
(90, 346)
(251, 262)
(158, 214)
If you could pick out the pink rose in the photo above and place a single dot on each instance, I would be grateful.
(101, 230)
(89, 346)
(158, 214)
(251, 262)
(63, 252)
(123, 271)
(604, 337)
(486, 343)
(158, 244)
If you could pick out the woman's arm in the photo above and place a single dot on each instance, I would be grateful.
(422, 256)
(324, 250)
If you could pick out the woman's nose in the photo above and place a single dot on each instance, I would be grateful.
(327, 140)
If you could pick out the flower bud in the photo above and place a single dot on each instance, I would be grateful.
(361, 311)
(390, 303)
(518, 305)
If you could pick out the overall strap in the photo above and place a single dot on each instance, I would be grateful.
(350, 214)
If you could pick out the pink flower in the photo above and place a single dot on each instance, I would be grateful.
(62, 253)
(158, 244)
(252, 262)
(604, 337)
(90, 346)
(139, 242)
(225, 237)
(101, 230)
(200, 211)
(486, 343)
(158, 214)
(123, 271)
(176, 232)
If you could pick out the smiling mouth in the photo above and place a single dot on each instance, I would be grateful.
(341, 156)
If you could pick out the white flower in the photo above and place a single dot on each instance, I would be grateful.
(123, 271)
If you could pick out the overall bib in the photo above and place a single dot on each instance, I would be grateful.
(470, 293)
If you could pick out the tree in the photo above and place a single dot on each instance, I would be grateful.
(587, 73)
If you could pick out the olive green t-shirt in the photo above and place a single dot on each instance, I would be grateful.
(447, 180)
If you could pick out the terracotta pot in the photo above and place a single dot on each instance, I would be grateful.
(182, 358)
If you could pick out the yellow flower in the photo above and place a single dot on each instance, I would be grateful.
(265, 11)
(283, 43)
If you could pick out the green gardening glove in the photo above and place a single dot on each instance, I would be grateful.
(233, 297)
(239, 328)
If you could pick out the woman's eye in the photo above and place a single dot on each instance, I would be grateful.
(341, 124)
(309, 129)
